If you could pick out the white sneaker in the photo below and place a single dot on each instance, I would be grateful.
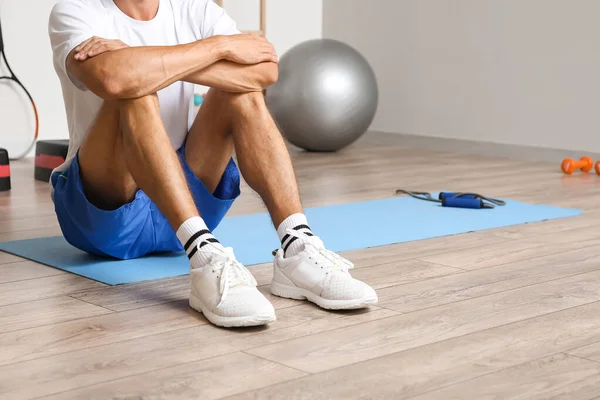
(320, 276)
(225, 291)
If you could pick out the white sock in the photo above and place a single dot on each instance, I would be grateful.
(193, 233)
(290, 245)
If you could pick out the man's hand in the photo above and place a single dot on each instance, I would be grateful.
(249, 49)
(95, 46)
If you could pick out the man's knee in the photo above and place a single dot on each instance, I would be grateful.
(238, 102)
(249, 101)
(114, 108)
(150, 101)
(132, 110)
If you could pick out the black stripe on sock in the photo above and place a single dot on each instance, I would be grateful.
(302, 227)
(201, 245)
(194, 237)
(299, 227)
(285, 245)
(289, 243)
(195, 249)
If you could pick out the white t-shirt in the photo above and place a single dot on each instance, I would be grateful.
(177, 22)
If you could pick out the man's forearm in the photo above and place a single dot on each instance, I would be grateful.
(236, 78)
(139, 71)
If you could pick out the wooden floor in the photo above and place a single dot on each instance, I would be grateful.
(510, 313)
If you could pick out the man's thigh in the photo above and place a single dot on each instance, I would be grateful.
(103, 167)
(209, 146)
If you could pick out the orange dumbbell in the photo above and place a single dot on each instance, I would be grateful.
(585, 164)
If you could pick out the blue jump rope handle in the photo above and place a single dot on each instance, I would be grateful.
(444, 195)
(456, 200)
(462, 202)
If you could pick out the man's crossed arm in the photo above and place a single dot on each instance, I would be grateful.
(112, 70)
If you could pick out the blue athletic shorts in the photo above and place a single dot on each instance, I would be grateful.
(138, 228)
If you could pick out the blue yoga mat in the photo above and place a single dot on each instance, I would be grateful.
(342, 227)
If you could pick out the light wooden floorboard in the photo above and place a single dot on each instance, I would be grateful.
(213, 378)
(24, 270)
(30, 234)
(512, 312)
(452, 288)
(588, 219)
(406, 374)
(518, 250)
(22, 224)
(137, 295)
(402, 272)
(329, 350)
(557, 377)
(45, 312)
(95, 365)
(42, 288)
(6, 258)
(591, 352)
(89, 332)
(145, 294)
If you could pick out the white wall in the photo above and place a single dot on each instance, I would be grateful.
(523, 72)
(289, 22)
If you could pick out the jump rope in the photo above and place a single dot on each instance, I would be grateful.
(456, 200)
(13, 78)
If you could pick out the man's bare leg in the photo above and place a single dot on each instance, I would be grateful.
(128, 149)
(228, 120)
(209, 146)
(243, 122)
(263, 156)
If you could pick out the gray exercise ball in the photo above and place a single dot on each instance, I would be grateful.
(326, 96)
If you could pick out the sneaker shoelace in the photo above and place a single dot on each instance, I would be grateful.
(233, 273)
(327, 257)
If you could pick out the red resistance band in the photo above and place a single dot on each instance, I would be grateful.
(4, 171)
(48, 162)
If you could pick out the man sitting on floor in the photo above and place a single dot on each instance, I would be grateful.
(142, 177)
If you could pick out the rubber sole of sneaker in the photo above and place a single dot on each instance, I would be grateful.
(291, 292)
(231, 322)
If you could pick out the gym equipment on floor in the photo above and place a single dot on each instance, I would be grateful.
(4, 171)
(456, 200)
(569, 165)
(49, 154)
(326, 96)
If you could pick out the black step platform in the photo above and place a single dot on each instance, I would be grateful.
(49, 154)
(4, 171)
